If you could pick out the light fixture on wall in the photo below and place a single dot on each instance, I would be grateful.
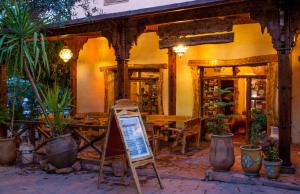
(180, 49)
(65, 54)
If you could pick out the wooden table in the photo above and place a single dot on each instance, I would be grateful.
(74, 128)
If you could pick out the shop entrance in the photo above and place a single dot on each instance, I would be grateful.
(252, 88)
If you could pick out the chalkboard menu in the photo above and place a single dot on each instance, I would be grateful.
(126, 133)
(134, 137)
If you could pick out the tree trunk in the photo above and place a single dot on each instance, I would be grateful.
(36, 92)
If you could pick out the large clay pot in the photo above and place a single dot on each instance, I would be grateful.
(8, 151)
(221, 154)
(251, 159)
(61, 151)
(272, 168)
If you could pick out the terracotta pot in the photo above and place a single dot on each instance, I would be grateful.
(221, 154)
(61, 151)
(8, 151)
(251, 159)
(272, 168)
(3, 130)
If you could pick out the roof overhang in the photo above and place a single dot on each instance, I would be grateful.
(199, 9)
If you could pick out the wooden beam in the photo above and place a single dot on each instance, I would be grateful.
(98, 23)
(225, 9)
(194, 27)
(254, 61)
(197, 40)
(143, 67)
(74, 36)
(172, 81)
(236, 77)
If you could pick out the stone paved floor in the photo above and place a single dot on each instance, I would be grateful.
(180, 173)
(14, 180)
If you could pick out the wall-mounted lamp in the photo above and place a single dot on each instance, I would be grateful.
(65, 54)
(180, 49)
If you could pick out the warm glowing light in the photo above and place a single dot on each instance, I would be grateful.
(65, 54)
(214, 62)
(180, 49)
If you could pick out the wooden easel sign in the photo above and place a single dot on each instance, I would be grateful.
(126, 134)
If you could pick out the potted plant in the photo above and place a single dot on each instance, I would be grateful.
(61, 148)
(272, 162)
(221, 149)
(22, 49)
(251, 154)
(7, 144)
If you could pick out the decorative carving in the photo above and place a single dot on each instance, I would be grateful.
(197, 40)
(194, 28)
(282, 20)
(249, 61)
(121, 36)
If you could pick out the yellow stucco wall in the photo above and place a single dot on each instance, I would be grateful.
(249, 41)
(147, 52)
(90, 87)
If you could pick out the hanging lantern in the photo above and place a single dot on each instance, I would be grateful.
(65, 54)
(180, 49)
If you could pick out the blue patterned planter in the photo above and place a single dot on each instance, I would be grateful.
(251, 159)
(272, 168)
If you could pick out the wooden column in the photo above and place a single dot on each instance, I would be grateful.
(3, 87)
(172, 81)
(122, 77)
(75, 45)
(283, 21)
(285, 105)
(248, 107)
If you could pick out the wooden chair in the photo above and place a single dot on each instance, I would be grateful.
(192, 128)
(153, 137)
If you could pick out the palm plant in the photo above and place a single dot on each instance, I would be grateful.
(56, 100)
(22, 47)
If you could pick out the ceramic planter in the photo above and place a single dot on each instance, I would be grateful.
(251, 159)
(8, 151)
(272, 168)
(61, 151)
(221, 154)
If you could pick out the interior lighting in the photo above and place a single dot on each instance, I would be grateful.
(180, 49)
(65, 54)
